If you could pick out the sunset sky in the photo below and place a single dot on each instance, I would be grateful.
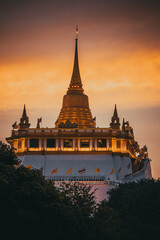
(119, 58)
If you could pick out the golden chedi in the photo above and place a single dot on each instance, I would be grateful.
(75, 107)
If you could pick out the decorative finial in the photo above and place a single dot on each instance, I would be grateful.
(115, 119)
(39, 120)
(76, 31)
(24, 115)
(115, 114)
(24, 120)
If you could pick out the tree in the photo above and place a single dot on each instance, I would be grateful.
(106, 223)
(83, 207)
(7, 155)
(32, 207)
(27, 200)
(138, 206)
(80, 196)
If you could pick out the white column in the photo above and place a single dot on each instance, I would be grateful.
(57, 140)
(74, 144)
(23, 144)
(107, 146)
(45, 144)
(123, 146)
(90, 144)
(40, 144)
(61, 144)
(78, 144)
(95, 144)
(114, 144)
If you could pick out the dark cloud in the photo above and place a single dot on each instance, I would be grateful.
(132, 10)
(27, 27)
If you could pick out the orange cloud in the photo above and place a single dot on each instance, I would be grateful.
(131, 78)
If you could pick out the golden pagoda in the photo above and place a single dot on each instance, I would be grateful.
(75, 107)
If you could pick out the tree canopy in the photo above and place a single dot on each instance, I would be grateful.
(31, 206)
(138, 206)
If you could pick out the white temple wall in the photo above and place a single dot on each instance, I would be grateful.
(76, 162)
(127, 165)
(36, 161)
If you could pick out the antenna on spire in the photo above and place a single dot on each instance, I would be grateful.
(76, 31)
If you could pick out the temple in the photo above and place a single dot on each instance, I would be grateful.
(75, 149)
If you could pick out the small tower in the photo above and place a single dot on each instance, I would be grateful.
(115, 120)
(24, 120)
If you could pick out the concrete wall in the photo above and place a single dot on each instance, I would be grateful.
(76, 162)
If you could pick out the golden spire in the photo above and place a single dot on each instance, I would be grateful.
(75, 107)
(76, 83)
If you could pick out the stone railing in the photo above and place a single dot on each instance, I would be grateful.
(138, 175)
